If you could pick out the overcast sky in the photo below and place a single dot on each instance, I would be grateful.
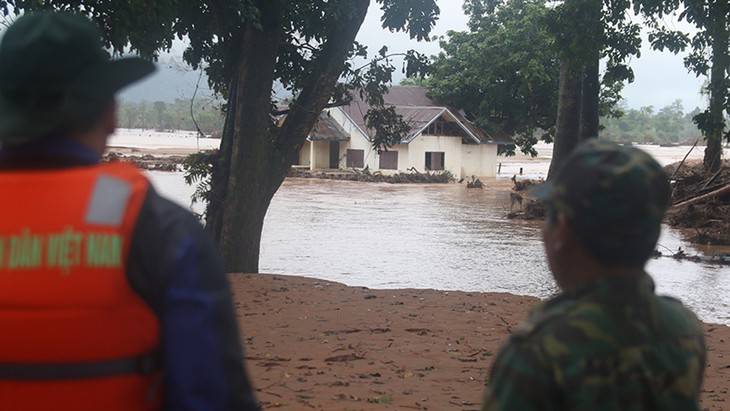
(660, 77)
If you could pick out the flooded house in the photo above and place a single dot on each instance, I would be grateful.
(440, 138)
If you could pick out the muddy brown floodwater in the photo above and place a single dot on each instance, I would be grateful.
(443, 236)
(439, 236)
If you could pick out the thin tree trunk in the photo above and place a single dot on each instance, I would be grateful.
(718, 87)
(713, 159)
(567, 125)
(221, 169)
(589, 118)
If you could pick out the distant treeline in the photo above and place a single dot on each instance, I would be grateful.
(160, 115)
(669, 125)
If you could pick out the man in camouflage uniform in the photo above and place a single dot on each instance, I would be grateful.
(607, 342)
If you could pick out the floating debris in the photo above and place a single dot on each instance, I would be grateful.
(701, 201)
(474, 183)
(147, 161)
(680, 254)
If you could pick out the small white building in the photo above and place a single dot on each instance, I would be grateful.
(440, 138)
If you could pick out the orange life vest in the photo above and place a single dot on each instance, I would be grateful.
(73, 334)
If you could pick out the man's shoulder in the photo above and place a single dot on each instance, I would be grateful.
(541, 319)
(590, 324)
(164, 225)
(165, 235)
(570, 325)
(165, 213)
(674, 317)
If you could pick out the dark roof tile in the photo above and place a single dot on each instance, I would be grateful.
(418, 111)
(327, 129)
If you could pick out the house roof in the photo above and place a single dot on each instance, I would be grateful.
(419, 111)
(327, 129)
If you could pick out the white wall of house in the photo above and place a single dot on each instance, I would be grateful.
(450, 146)
(478, 160)
(338, 115)
(462, 160)
(305, 155)
(320, 155)
(358, 141)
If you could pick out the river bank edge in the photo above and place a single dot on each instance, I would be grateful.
(319, 344)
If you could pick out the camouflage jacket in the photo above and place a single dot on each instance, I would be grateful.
(612, 344)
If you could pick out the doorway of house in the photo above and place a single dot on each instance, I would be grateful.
(334, 154)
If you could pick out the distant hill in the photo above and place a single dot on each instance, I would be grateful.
(173, 79)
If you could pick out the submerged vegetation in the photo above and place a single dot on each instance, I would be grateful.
(701, 202)
(376, 177)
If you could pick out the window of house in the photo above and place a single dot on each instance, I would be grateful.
(389, 160)
(355, 158)
(435, 160)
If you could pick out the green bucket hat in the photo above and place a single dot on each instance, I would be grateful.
(613, 196)
(54, 72)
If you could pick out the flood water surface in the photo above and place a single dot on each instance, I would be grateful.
(394, 236)
(436, 236)
(443, 237)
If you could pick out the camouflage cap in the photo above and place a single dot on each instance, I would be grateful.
(614, 197)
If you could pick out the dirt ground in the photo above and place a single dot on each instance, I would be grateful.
(321, 345)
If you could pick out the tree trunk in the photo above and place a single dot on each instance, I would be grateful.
(713, 152)
(255, 154)
(718, 87)
(221, 169)
(244, 183)
(589, 118)
(567, 125)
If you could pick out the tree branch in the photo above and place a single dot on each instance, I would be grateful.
(701, 198)
(338, 103)
(325, 73)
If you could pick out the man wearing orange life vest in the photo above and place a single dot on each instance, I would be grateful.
(111, 297)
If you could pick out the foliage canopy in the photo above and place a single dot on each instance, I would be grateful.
(503, 71)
